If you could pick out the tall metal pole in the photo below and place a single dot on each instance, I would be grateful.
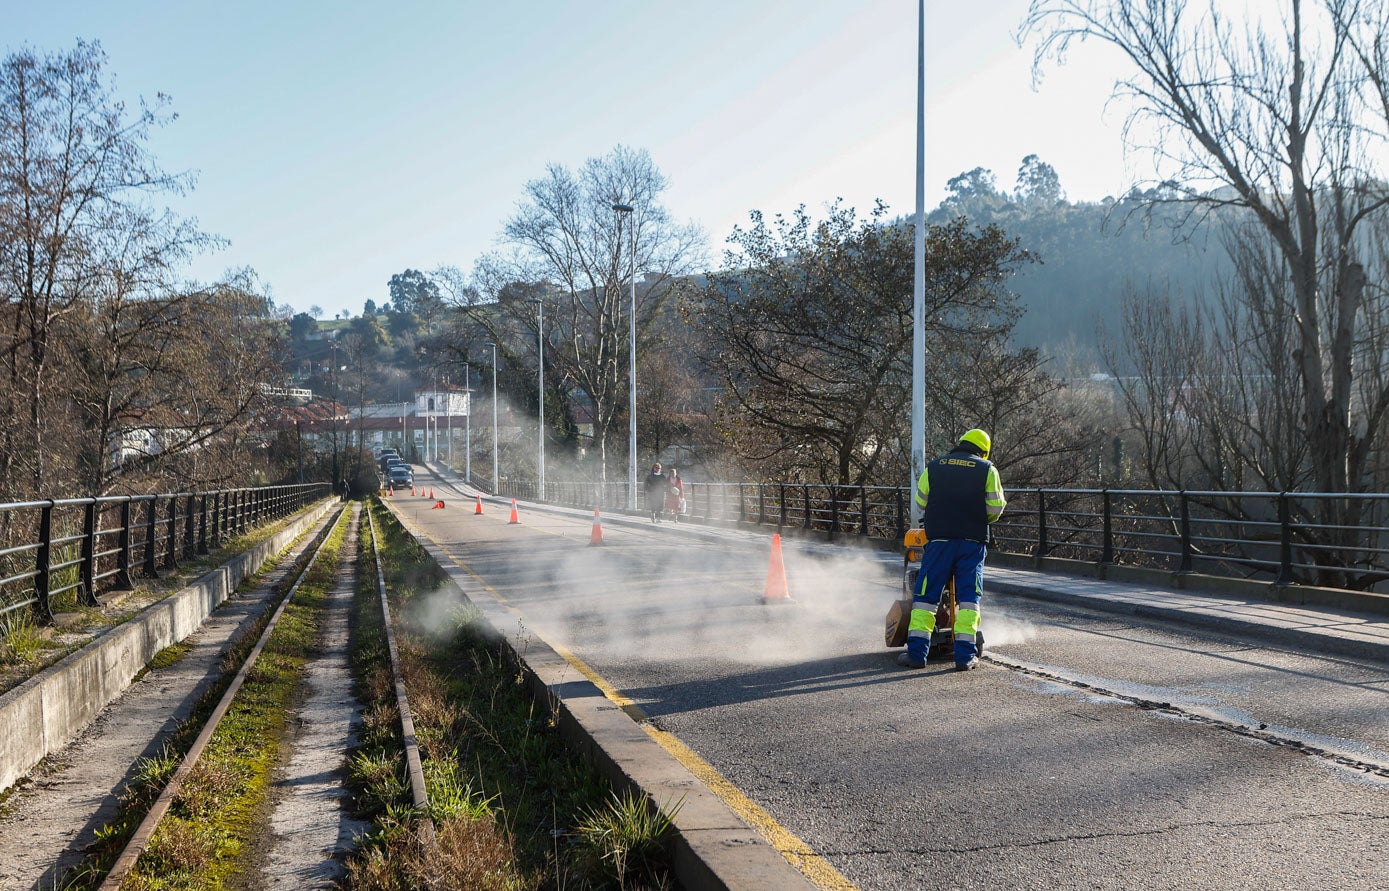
(626, 210)
(540, 425)
(918, 460)
(494, 416)
(467, 422)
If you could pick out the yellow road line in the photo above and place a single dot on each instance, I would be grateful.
(797, 853)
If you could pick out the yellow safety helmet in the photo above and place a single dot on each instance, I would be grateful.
(979, 439)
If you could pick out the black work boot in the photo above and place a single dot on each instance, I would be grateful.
(906, 661)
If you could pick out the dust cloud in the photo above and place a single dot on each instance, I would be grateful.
(697, 599)
(659, 594)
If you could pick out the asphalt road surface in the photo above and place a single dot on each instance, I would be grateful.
(1091, 750)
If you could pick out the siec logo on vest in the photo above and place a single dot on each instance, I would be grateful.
(958, 462)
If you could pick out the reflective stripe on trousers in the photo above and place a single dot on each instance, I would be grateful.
(942, 560)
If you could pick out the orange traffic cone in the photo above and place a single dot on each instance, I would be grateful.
(776, 590)
(431, 493)
(412, 490)
(438, 504)
(597, 537)
(515, 518)
(478, 512)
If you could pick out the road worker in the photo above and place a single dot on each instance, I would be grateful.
(961, 495)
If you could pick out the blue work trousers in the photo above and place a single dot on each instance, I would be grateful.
(944, 559)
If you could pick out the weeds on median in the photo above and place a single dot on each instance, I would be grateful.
(513, 807)
(21, 641)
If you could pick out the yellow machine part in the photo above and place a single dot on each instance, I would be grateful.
(899, 613)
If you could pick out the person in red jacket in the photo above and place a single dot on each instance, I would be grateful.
(675, 493)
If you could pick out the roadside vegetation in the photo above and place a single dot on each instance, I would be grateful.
(512, 807)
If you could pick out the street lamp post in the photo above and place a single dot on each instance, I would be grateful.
(495, 482)
(626, 210)
(540, 425)
(467, 422)
(918, 438)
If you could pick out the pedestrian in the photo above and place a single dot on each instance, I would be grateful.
(961, 495)
(675, 494)
(655, 492)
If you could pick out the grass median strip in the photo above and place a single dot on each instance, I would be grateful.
(514, 808)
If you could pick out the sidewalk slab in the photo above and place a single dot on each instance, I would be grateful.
(1319, 628)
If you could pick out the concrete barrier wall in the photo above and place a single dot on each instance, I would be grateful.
(41, 715)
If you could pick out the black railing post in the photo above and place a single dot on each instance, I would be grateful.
(189, 545)
(43, 582)
(1285, 541)
(202, 524)
(1186, 532)
(805, 505)
(901, 518)
(215, 538)
(742, 505)
(761, 503)
(834, 512)
(86, 589)
(151, 569)
(171, 529)
(863, 510)
(781, 505)
(1042, 544)
(122, 580)
(1107, 555)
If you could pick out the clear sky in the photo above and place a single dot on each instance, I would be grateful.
(338, 143)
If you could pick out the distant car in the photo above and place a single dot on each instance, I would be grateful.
(400, 475)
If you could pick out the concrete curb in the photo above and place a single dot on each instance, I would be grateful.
(715, 849)
(41, 715)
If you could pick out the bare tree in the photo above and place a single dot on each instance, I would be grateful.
(1283, 117)
(571, 250)
(73, 164)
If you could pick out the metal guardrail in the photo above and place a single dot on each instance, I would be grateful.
(1283, 538)
(873, 512)
(76, 548)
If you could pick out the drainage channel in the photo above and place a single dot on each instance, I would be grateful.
(145, 833)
